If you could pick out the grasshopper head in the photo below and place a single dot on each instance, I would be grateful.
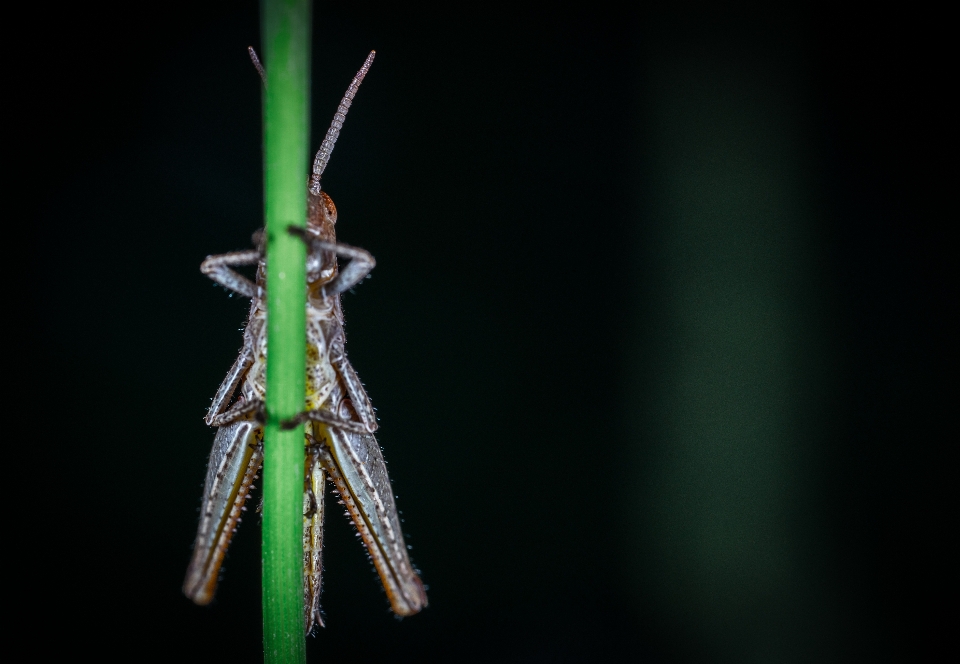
(321, 219)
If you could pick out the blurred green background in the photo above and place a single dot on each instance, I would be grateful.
(651, 334)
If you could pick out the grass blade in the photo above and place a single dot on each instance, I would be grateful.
(286, 39)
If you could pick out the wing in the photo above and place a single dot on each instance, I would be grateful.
(356, 467)
(234, 462)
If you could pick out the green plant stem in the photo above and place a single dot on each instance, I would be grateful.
(286, 40)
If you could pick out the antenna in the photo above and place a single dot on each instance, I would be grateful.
(256, 63)
(326, 148)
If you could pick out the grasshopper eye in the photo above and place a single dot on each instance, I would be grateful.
(329, 209)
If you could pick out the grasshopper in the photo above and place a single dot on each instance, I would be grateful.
(339, 439)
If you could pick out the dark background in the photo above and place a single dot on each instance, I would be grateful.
(522, 175)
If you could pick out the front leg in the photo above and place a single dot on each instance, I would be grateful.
(360, 265)
(217, 267)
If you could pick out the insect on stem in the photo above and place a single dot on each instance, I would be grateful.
(339, 441)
